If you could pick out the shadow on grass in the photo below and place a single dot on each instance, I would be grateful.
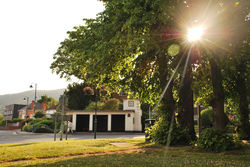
(16, 145)
(171, 157)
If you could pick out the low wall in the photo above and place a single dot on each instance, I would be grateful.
(3, 128)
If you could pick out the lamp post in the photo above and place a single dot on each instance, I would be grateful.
(95, 121)
(27, 103)
(31, 86)
(89, 91)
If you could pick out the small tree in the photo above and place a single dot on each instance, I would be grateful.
(112, 104)
(39, 114)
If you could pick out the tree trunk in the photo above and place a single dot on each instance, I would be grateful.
(218, 92)
(244, 129)
(186, 103)
(168, 100)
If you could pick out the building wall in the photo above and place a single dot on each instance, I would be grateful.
(134, 104)
(129, 117)
(11, 111)
(131, 110)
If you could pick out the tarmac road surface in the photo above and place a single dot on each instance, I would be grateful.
(16, 136)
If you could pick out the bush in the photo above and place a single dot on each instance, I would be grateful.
(207, 118)
(47, 122)
(39, 114)
(15, 120)
(2, 122)
(159, 133)
(42, 128)
(215, 140)
(112, 104)
(27, 128)
(92, 106)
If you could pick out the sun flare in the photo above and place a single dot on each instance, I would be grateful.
(195, 33)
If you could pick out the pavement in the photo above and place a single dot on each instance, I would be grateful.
(18, 136)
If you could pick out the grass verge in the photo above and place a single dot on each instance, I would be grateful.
(148, 156)
(27, 151)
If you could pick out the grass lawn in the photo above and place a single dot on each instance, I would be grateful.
(146, 155)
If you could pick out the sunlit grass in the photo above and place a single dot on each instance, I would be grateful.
(171, 157)
(13, 152)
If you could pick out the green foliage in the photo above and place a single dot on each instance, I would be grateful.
(92, 105)
(1, 117)
(77, 100)
(131, 45)
(2, 122)
(27, 128)
(15, 120)
(111, 104)
(40, 126)
(47, 122)
(215, 140)
(43, 128)
(39, 114)
(207, 118)
(159, 133)
(49, 101)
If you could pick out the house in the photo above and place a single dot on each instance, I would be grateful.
(50, 111)
(30, 110)
(11, 111)
(126, 120)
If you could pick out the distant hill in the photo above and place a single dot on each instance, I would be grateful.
(17, 98)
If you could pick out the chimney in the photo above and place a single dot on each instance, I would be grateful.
(33, 105)
(44, 106)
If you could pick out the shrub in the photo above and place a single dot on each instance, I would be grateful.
(2, 122)
(47, 122)
(215, 140)
(112, 104)
(39, 114)
(27, 128)
(207, 118)
(92, 106)
(42, 128)
(159, 133)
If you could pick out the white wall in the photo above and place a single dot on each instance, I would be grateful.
(129, 125)
(134, 104)
(132, 122)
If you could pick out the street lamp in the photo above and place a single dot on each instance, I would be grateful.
(31, 86)
(27, 103)
(89, 91)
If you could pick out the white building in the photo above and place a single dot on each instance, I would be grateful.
(126, 120)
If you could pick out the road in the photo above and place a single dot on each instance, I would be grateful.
(16, 136)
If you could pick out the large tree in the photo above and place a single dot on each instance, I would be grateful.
(130, 46)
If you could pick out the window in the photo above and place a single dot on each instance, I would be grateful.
(130, 103)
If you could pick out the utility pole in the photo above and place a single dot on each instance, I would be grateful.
(67, 125)
(95, 121)
(55, 117)
(62, 114)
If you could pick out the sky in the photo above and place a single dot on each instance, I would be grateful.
(30, 33)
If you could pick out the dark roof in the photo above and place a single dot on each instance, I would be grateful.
(38, 106)
(98, 111)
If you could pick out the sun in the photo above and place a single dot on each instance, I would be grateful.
(195, 33)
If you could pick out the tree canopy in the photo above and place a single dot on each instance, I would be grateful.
(136, 45)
